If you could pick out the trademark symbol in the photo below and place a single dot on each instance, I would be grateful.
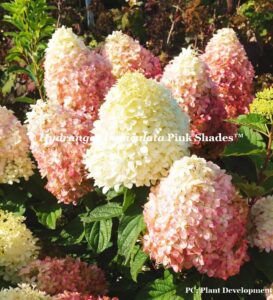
(239, 135)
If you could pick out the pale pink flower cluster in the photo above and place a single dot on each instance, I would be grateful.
(15, 162)
(230, 71)
(60, 162)
(195, 218)
(186, 76)
(261, 224)
(56, 275)
(76, 296)
(126, 54)
(75, 76)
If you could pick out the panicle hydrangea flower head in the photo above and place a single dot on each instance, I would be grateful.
(261, 224)
(131, 141)
(14, 155)
(186, 76)
(17, 245)
(56, 275)
(75, 76)
(195, 218)
(76, 296)
(263, 103)
(59, 137)
(23, 292)
(230, 71)
(126, 54)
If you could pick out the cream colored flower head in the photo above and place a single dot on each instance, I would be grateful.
(132, 142)
(23, 292)
(15, 162)
(261, 224)
(18, 246)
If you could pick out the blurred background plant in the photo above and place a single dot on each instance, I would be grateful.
(31, 25)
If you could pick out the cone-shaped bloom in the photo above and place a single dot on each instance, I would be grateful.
(17, 245)
(261, 224)
(74, 75)
(230, 71)
(56, 275)
(59, 137)
(126, 54)
(133, 141)
(195, 218)
(14, 155)
(23, 292)
(186, 76)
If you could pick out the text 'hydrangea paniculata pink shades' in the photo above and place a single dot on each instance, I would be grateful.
(230, 71)
(18, 247)
(15, 162)
(77, 296)
(124, 149)
(75, 76)
(126, 54)
(23, 292)
(261, 224)
(186, 76)
(195, 217)
(56, 275)
(60, 161)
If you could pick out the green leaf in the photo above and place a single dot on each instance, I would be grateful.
(111, 194)
(25, 100)
(21, 70)
(254, 121)
(9, 84)
(107, 211)
(128, 199)
(161, 289)
(268, 185)
(129, 229)
(98, 234)
(137, 262)
(73, 232)
(48, 214)
(251, 189)
(263, 261)
(249, 144)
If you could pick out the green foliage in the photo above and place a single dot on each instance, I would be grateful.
(131, 225)
(250, 143)
(169, 288)
(260, 15)
(33, 25)
(48, 214)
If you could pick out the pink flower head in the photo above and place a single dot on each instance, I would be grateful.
(76, 296)
(195, 218)
(230, 71)
(75, 76)
(126, 54)
(59, 138)
(56, 275)
(186, 76)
